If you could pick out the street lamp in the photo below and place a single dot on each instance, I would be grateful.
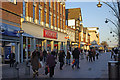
(116, 11)
(99, 4)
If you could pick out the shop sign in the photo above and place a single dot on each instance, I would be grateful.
(9, 30)
(49, 34)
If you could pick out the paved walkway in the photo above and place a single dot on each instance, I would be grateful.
(96, 69)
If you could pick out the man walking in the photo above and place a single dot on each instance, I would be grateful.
(76, 54)
(12, 57)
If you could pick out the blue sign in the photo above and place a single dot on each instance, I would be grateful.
(9, 30)
(7, 51)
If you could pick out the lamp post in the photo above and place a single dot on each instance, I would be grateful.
(116, 14)
(21, 43)
(116, 10)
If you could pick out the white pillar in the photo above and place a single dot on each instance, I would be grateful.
(34, 43)
(17, 52)
(26, 48)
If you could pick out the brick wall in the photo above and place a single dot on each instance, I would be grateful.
(12, 10)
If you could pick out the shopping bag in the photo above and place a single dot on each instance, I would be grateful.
(46, 70)
(40, 65)
(73, 61)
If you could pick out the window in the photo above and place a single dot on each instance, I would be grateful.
(57, 23)
(13, 1)
(49, 3)
(39, 15)
(45, 18)
(24, 9)
(33, 13)
(49, 20)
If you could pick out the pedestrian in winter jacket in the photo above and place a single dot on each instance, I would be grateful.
(76, 54)
(61, 59)
(68, 58)
(51, 63)
(35, 62)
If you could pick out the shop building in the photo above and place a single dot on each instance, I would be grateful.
(44, 26)
(70, 38)
(74, 19)
(10, 23)
(94, 34)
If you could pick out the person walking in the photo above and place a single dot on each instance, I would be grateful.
(76, 54)
(68, 57)
(61, 59)
(51, 63)
(93, 54)
(97, 54)
(12, 57)
(90, 55)
(44, 55)
(41, 55)
(35, 62)
(86, 53)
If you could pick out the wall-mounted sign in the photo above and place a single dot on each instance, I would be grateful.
(49, 34)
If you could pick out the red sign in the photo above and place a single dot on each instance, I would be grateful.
(49, 34)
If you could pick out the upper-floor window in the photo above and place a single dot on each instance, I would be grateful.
(45, 17)
(13, 1)
(33, 12)
(49, 20)
(39, 15)
(49, 3)
(24, 9)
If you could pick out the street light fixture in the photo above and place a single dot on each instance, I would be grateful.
(99, 4)
(116, 11)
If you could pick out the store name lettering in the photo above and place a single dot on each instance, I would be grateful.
(50, 34)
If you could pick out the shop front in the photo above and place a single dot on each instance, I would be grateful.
(9, 42)
(44, 38)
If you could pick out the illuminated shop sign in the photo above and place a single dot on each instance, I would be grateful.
(49, 34)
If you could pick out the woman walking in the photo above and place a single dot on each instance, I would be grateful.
(35, 62)
(51, 63)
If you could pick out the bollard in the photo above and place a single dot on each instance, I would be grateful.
(27, 68)
(113, 72)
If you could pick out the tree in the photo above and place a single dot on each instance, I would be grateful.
(104, 43)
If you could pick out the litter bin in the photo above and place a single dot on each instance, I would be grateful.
(113, 70)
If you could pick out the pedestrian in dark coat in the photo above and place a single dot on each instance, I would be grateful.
(61, 59)
(12, 57)
(68, 58)
(44, 55)
(76, 54)
(35, 62)
(93, 54)
(90, 55)
(51, 63)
